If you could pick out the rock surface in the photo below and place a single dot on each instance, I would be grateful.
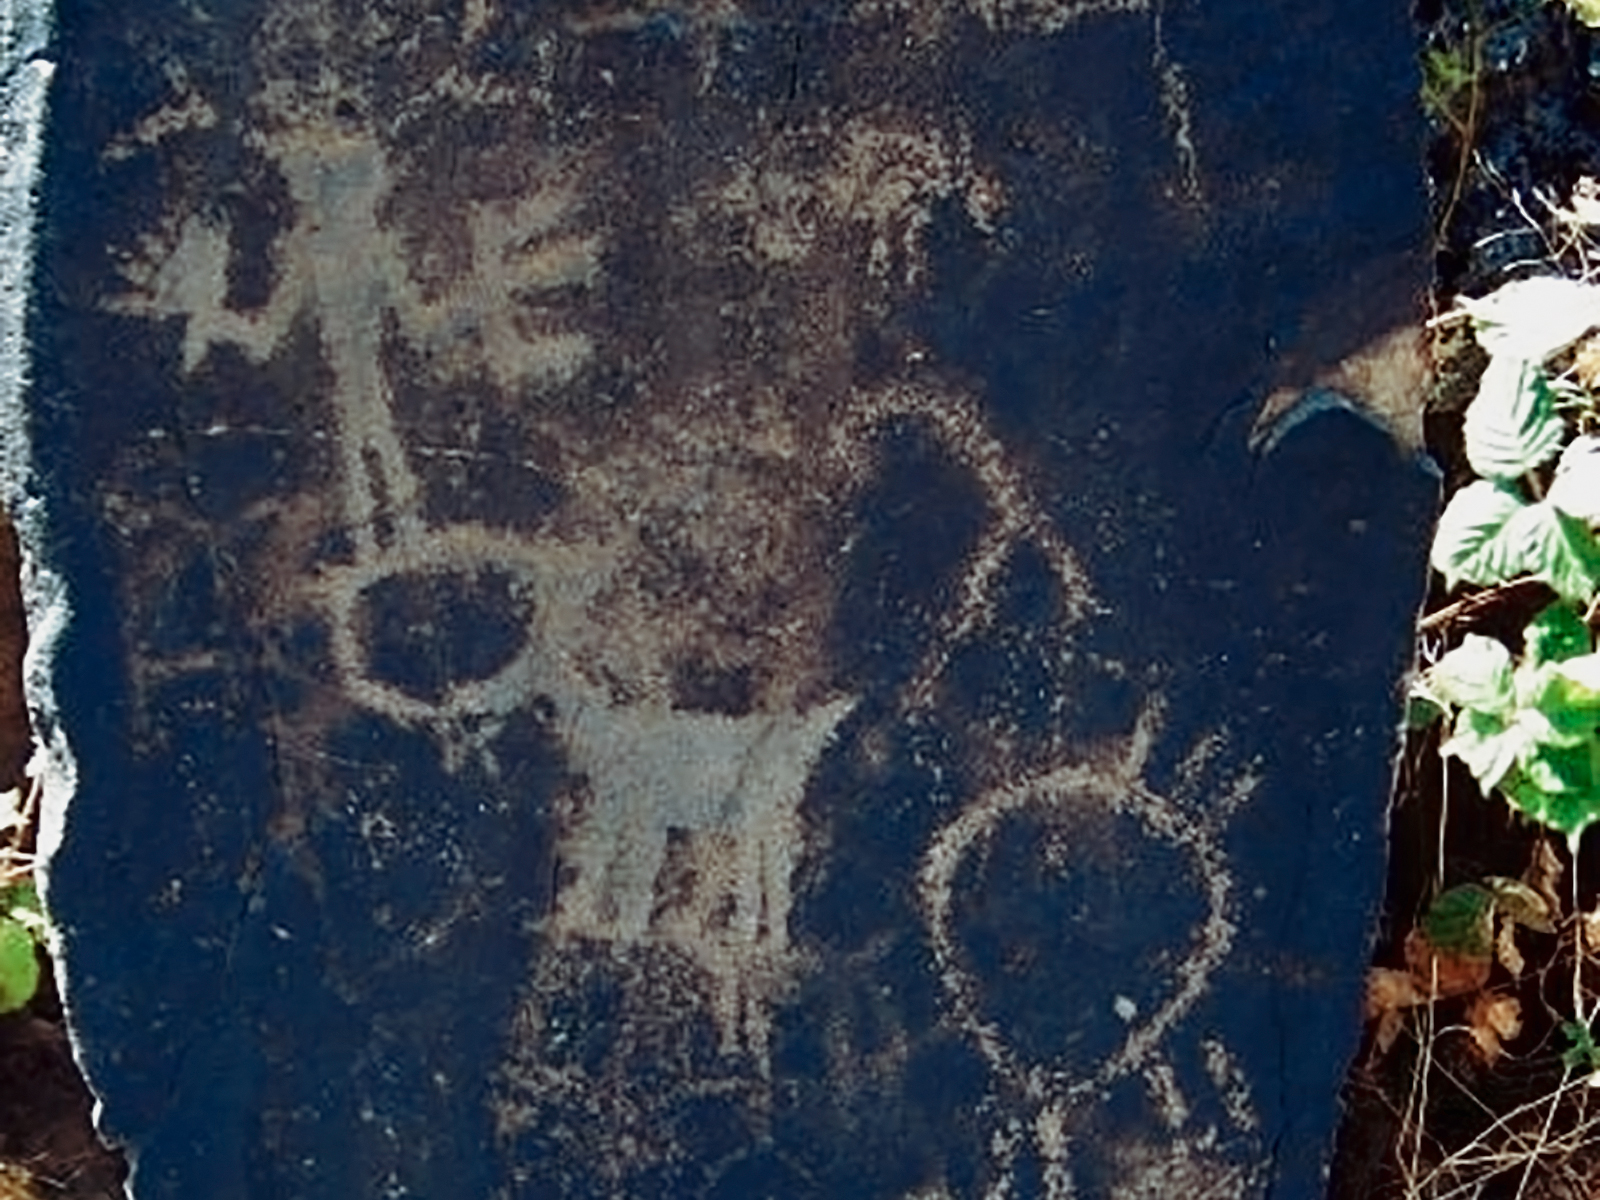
(673, 601)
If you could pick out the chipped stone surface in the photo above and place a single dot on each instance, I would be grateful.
(673, 600)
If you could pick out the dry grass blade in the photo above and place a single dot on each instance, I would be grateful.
(1504, 1147)
(18, 817)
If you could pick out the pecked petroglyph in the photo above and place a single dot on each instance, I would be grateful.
(664, 609)
(1230, 1081)
(733, 782)
(685, 832)
(652, 771)
(1181, 1168)
(193, 111)
(666, 784)
(928, 20)
(881, 176)
(1035, 16)
(1050, 16)
(1079, 794)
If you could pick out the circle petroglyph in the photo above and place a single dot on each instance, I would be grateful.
(1111, 783)
(668, 617)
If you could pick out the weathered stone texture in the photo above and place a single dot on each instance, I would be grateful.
(672, 601)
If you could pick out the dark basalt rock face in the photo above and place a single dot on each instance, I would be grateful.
(673, 601)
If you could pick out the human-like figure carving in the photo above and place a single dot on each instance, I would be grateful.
(616, 430)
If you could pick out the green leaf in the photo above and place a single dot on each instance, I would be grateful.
(1446, 73)
(19, 965)
(1571, 686)
(1541, 751)
(1557, 771)
(1556, 726)
(1421, 710)
(1582, 1054)
(1488, 536)
(1587, 12)
(1530, 732)
(1476, 674)
(1461, 921)
(1555, 635)
(1555, 709)
(1557, 549)
(1580, 681)
(21, 895)
(1575, 490)
(1489, 745)
(1531, 319)
(20, 902)
(1559, 790)
(1471, 542)
(1512, 426)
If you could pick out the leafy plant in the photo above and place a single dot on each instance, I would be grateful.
(1461, 921)
(1587, 11)
(1581, 1053)
(1447, 74)
(1527, 727)
(1450, 953)
(21, 930)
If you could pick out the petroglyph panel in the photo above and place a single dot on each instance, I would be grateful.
(677, 600)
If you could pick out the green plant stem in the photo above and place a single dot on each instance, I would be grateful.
(1468, 135)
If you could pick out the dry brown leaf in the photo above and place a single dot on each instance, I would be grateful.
(1586, 365)
(1506, 949)
(1591, 930)
(1389, 1026)
(1389, 994)
(1492, 1018)
(1444, 975)
(1388, 990)
(1504, 1014)
(1432, 974)
(1544, 873)
(1523, 904)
